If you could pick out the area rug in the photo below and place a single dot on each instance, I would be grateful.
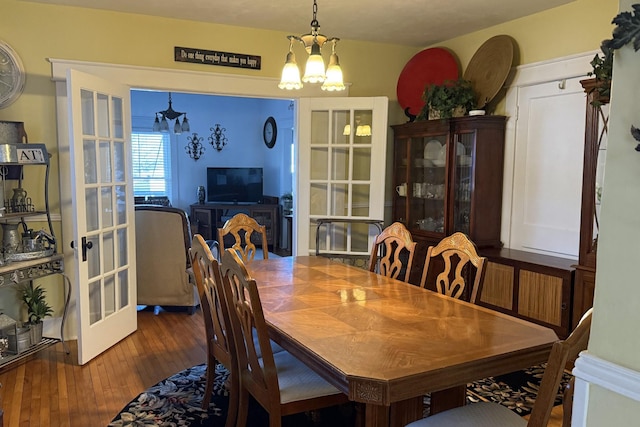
(176, 401)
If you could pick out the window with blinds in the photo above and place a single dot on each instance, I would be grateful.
(151, 160)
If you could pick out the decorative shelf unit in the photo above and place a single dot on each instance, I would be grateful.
(448, 177)
(21, 263)
(595, 149)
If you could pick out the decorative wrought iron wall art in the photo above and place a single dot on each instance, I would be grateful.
(194, 147)
(218, 139)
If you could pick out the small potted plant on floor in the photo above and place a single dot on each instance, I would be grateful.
(453, 98)
(37, 309)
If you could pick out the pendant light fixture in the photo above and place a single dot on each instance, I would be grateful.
(314, 71)
(162, 125)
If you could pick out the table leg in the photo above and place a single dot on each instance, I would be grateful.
(448, 399)
(398, 414)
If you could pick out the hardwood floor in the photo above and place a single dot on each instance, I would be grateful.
(52, 390)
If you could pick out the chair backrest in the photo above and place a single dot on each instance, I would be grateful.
(561, 353)
(390, 248)
(163, 238)
(206, 272)
(259, 377)
(242, 227)
(454, 254)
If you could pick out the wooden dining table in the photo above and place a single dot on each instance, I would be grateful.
(387, 343)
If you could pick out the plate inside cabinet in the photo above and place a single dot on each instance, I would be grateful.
(489, 68)
(432, 149)
(433, 65)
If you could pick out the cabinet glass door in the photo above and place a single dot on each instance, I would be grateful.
(427, 191)
(463, 181)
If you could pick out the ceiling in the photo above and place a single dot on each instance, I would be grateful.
(415, 23)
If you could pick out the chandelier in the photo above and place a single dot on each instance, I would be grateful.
(217, 139)
(162, 125)
(314, 71)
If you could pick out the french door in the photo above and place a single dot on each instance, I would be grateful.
(341, 173)
(102, 207)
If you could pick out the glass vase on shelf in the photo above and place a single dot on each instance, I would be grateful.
(201, 194)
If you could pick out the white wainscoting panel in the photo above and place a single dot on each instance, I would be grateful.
(591, 370)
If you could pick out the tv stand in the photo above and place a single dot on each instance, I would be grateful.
(206, 218)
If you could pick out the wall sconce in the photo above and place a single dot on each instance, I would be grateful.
(314, 69)
(169, 113)
(217, 139)
(194, 147)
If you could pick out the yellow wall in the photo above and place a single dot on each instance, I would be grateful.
(576, 27)
(39, 31)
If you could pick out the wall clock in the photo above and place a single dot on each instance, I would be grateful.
(270, 132)
(12, 75)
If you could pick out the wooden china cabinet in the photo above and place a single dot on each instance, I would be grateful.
(595, 145)
(447, 176)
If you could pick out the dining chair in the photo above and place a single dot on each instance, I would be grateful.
(279, 382)
(490, 414)
(241, 227)
(392, 252)
(451, 261)
(220, 345)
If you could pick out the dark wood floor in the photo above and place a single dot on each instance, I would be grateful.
(51, 389)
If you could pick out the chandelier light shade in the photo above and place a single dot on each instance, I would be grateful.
(361, 130)
(290, 73)
(314, 71)
(333, 80)
(218, 139)
(162, 125)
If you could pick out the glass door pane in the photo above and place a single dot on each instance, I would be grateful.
(428, 170)
(463, 181)
(341, 174)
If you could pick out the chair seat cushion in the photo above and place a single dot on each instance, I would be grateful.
(483, 414)
(297, 381)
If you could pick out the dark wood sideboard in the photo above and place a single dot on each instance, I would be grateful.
(206, 218)
(531, 286)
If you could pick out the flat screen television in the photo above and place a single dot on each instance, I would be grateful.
(234, 185)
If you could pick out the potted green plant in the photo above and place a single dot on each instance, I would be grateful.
(602, 71)
(37, 309)
(453, 98)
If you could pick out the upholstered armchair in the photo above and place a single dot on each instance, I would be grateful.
(163, 239)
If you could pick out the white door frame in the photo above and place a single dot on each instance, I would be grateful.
(138, 77)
